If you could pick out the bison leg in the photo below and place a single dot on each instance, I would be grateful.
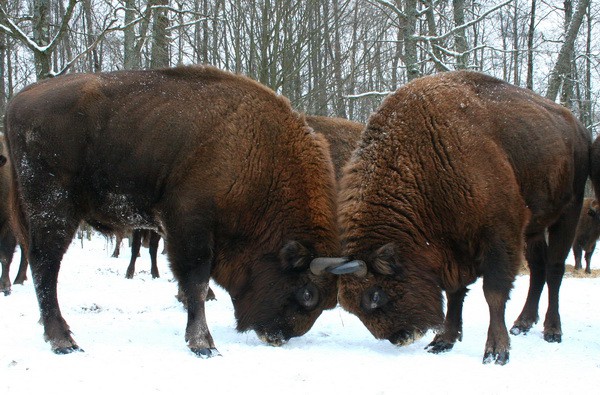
(561, 236)
(452, 331)
(22, 273)
(135, 250)
(588, 259)
(497, 345)
(577, 250)
(536, 255)
(153, 247)
(117, 250)
(499, 267)
(50, 239)
(7, 250)
(190, 249)
(4, 279)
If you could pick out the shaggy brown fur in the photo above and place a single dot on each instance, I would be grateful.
(588, 232)
(8, 241)
(342, 135)
(237, 183)
(453, 174)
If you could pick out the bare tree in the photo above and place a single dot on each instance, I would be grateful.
(562, 66)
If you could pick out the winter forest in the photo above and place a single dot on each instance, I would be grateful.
(329, 57)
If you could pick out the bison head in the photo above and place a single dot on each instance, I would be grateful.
(397, 298)
(281, 298)
(594, 209)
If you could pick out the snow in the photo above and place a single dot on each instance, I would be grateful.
(132, 332)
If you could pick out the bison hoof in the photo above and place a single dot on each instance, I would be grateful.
(6, 292)
(67, 350)
(206, 353)
(519, 330)
(436, 347)
(588, 271)
(553, 337)
(499, 358)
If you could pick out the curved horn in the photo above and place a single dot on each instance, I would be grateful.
(318, 265)
(358, 268)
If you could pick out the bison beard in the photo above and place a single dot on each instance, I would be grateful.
(454, 174)
(238, 185)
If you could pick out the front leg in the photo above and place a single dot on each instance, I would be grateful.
(452, 331)
(497, 345)
(197, 334)
(190, 249)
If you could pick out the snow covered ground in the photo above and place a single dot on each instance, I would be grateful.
(132, 332)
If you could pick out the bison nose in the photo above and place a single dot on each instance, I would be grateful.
(273, 339)
(405, 337)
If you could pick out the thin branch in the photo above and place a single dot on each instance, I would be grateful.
(463, 26)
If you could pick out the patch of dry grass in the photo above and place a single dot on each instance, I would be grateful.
(569, 272)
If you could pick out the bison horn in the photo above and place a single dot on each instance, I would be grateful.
(358, 268)
(319, 265)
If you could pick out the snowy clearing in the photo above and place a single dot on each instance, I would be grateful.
(132, 332)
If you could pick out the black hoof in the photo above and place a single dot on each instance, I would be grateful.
(6, 292)
(553, 337)
(500, 358)
(67, 350)
(437, 347)
(206, 353)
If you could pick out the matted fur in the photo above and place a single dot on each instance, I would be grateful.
(454, 172)
(236, 182)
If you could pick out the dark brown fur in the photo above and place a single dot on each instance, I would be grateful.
(8, 242)
(453, 174)
(342, 135)
(587, 234)
(239, 186)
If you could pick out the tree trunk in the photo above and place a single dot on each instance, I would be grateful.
(41, 35)
(159, 56)
(460, 40)
(131, 55)
(530, 37)
(562, 66)
(94, 61)
(410, 43)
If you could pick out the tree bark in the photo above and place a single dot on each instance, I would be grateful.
(530, 37)
(563, 62)
(460, 40)
(159, 56)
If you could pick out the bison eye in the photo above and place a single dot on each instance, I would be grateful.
(373, 299)
(308, 296)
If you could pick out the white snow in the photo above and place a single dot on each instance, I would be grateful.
(132, 332)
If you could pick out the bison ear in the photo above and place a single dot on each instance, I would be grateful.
(294, 256)
(386, 261)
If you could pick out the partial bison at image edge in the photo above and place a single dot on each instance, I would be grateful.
(456, 177)
(235, 181)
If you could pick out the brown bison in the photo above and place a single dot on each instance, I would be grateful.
(454, 174)
(8, 242)
(588, 232)
(343, 136)
(233, 179)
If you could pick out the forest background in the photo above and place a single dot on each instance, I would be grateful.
(329, 57)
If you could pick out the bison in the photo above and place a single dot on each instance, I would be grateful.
(588, 232)
(8, 242)
(454, 176)
(342, 135)
(235, 181)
